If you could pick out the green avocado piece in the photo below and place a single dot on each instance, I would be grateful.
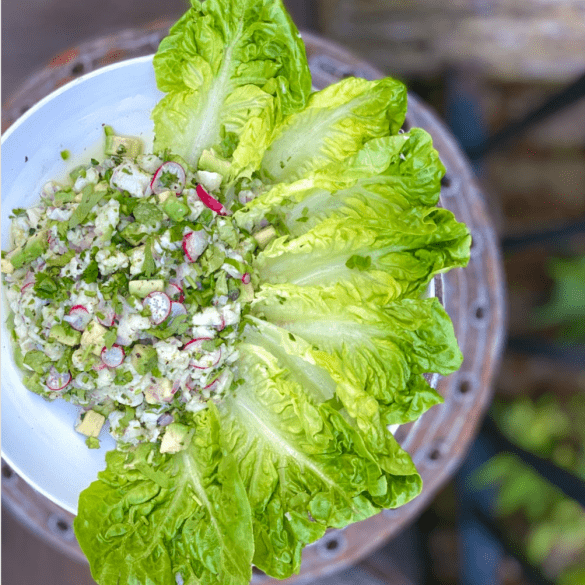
(142, 288)
(175, 208)
(65, 334)
(134, 233)
(174, 439)
(143, 358)
(211, 161)
(34, 248)
(126, 145)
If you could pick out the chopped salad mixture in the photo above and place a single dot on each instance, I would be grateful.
(127, 287)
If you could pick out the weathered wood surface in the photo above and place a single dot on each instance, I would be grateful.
(474, 298)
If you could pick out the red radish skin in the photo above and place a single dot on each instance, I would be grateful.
(159, 305)
(194, 243)
(78, 317)
(57, 381)
(24, 287)
(173, 168)
(210, 201)
(213, 356)
(174, 290)
(113, 357)
(246, 278)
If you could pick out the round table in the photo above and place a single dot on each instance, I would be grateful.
(473, 297)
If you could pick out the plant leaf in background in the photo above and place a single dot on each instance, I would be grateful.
(555, 524)
(567, 304)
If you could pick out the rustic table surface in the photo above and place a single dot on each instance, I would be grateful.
(437, 445)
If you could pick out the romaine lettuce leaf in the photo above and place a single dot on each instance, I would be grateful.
(383, 257)
(392, 174)
(304, 466)
(151, 516)
(336, 122)
(375, 355)
(222, 65)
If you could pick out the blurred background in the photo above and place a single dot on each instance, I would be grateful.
(514, 514)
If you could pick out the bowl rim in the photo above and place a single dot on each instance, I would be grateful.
(66, 87)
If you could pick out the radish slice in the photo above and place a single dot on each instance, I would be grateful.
(210, 201)
(99, 367)
(208, 359)
(159, 305)
(177, 309)
(78, 317)
(57, 381)
(175, 292)
(213, 386)
(194, 243)
(113, 357)
(162, 172)
(246, 278)
(25, 286)
(108, 313)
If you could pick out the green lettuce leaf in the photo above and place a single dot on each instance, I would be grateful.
(336, 122)
(304, 466)
(222, 65)
(151, 516)
(401, 252)
(375, 355)
(392, 174)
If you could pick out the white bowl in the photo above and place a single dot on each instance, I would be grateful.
(38, 438)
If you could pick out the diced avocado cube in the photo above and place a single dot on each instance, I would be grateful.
(34, 248)
(175, 208)
(263, 237)
(175, 438)
(91, 424)
(143, 358)
(142, 288)
(211, 161)
(127, 145)
(161, 391)
(162, 197)
(247, 293)
(7, 266)
(94, 336)
(65, 334)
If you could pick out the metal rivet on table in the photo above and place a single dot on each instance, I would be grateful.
(480, 312)
(78, 68)
(61, 527)
(434, 454)
(476, 244)
(332, 544)
(450, 185)
(8, 474)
